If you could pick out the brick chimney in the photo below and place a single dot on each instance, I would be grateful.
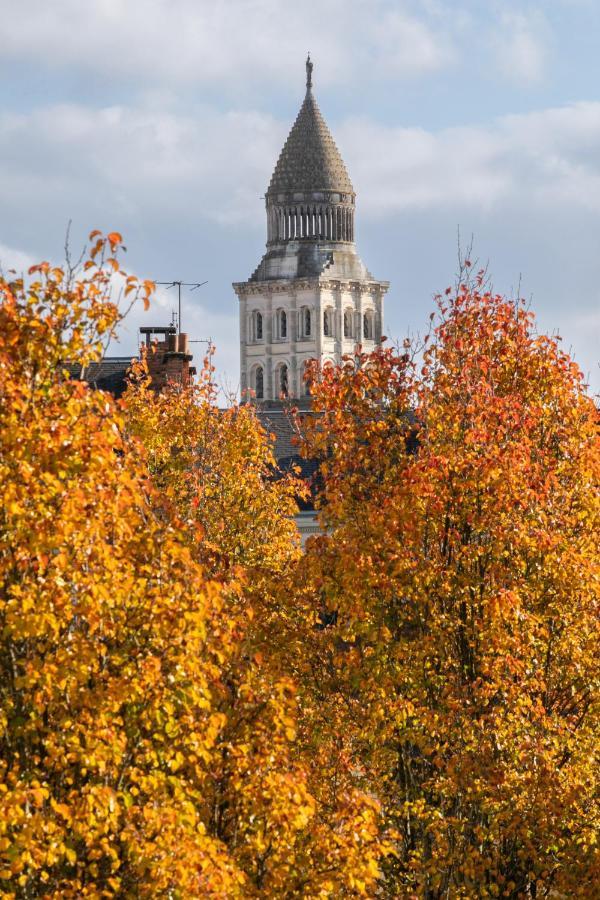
(167, 356)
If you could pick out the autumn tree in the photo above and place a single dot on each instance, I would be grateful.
(215, 468)
(451, 609)
(106, 712)
(147, 737)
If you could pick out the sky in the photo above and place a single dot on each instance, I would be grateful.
(459, 120)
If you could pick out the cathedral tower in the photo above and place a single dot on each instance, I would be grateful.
(310, 296)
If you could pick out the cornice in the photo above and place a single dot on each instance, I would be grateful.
(290, 285)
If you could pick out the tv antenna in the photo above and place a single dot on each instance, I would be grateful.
(193, 285)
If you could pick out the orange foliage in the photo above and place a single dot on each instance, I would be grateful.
(452, 606)
(190, 707)
(147, 718)
(214, 469)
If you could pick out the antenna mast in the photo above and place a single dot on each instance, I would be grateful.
(193, 285)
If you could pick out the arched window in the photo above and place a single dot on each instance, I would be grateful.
(327, 323)
(348, 324)
(256, 332)
(283, 380)
(281, 324)
(306, 323)
(259, 383)
(368, 326)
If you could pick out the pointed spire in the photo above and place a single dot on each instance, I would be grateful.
(310, 160)
(309, 68)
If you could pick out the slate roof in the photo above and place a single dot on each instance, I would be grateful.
(310, 159)
(110, 374)
(311, 261)
(278, 421)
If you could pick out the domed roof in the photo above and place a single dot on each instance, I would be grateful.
(310, 160)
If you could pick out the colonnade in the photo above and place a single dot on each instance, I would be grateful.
(326, 223)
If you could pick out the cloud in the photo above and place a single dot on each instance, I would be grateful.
(408, 46)
(520, 45)
(17, 260)
(178, 41)
(548, 160)
(131, 162)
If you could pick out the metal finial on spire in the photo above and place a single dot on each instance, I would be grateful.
(309, 68)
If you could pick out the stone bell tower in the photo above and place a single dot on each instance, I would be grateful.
(310, 296)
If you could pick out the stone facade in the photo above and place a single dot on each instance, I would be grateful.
(310, 297)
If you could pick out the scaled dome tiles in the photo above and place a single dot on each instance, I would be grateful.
(310, 160)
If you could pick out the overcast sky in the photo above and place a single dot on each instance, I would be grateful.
(163, 119)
